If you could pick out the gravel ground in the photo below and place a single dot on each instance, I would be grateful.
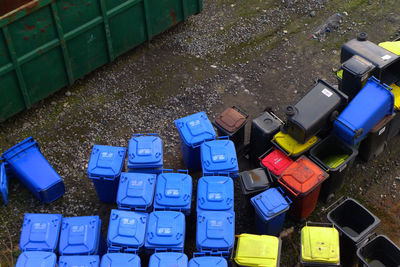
(254, 53)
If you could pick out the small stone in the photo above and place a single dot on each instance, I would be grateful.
(68, 93)
(213, 66)
(246, 91)
(285, 31)
(53, 103)
(65, 104)
(345, 13)
(221, 28)
(397, 178)
(334, 70)
(312, 14)
(295, 91)
(26, 125)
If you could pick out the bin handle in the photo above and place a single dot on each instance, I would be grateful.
(265, 154)
(309, 223)
(183, 171)
(283, 183)
(152, 134)
(240, 111)
(223, 137)
(137, 135)
(167, 170)
(335, 204)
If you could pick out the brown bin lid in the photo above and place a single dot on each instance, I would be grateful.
(231, 119)
(382, 123)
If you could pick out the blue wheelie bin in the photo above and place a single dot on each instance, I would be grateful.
(120, 260)
(37, 258)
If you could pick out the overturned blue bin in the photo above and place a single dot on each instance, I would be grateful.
(145, 153)
(218, 157)
(104, 169)
(81, 261)
(165, 232)
(120, 260)
(37, 258)
(4, 183)
(40, 232)
(28, 164)
(215, 233)
(270, 207)
(215, 193)
(173, 191)
(136, 191)
(207, 261)
(164, 259)
(126, 231)
(194, 130)
(80, 236)
(367, 108)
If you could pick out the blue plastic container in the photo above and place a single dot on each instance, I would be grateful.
(215, 233)
(218, 157)
(126, 231)
(27, 164)
(4, 183)
(168, 259)
(208, 261)
(270, 207)
(194, 130)
(174, 191)
(40, 232)
(145, 153)
(37, 259)
(215, 193)
(367, 108)
(165, 231)
(136, 191)
(79, 261)
(80, 235)
(104, 168)
(120, 260)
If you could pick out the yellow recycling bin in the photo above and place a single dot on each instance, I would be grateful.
(257, 250)
(393, 47)
(290, 146)
(320, 246)
(396, 93)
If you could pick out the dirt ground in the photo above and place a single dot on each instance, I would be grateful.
(253, 53)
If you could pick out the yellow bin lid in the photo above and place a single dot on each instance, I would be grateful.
(257, 250)
(320, 245)
(393, 47)
(291, 146)
(396, 93)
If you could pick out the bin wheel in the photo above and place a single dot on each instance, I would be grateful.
(334, 115)
(329, 198)
(362, 36)
(289, 111)
(359, 132)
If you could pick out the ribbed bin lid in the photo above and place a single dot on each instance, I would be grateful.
(106, 161)
(40, 232)
(215, 230)
(320, 245)
(4, 183)
(81, 261)
(195, 129)
(302, 176)
(36, 259)
(218, 156)
(136, 190)
(276, 161)
(215, 193)
(255, 179)
(291, 146)
(208, 261)
(270, 203)
(231, 119)
(257, 250)
(79, 235)
(173, 190)
(127, 229)
(165, 259)
(165, 229)
(145, 151)
(120, 260)
(393, 47)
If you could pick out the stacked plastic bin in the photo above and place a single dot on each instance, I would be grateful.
(215, 216)
(145, 153)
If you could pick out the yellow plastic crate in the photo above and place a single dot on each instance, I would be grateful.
(320, 245)
(257, 250)
(291, 146)
(393, 47)
(396, 93)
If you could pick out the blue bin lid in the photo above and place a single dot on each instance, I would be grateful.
(270, 203)
(195, 129)
(4, 183)
(215, 193)
(81, 261)
(218, 156)
(208, 261)
(18, 148)
(136, 189)
(120, 260)
(215, 230)
(106, 161)
(127, 228)
(36, 259)
(173, 190)
(165, 229)
(145, 151)
(40, 232)
(167, 259)
(80, 235)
